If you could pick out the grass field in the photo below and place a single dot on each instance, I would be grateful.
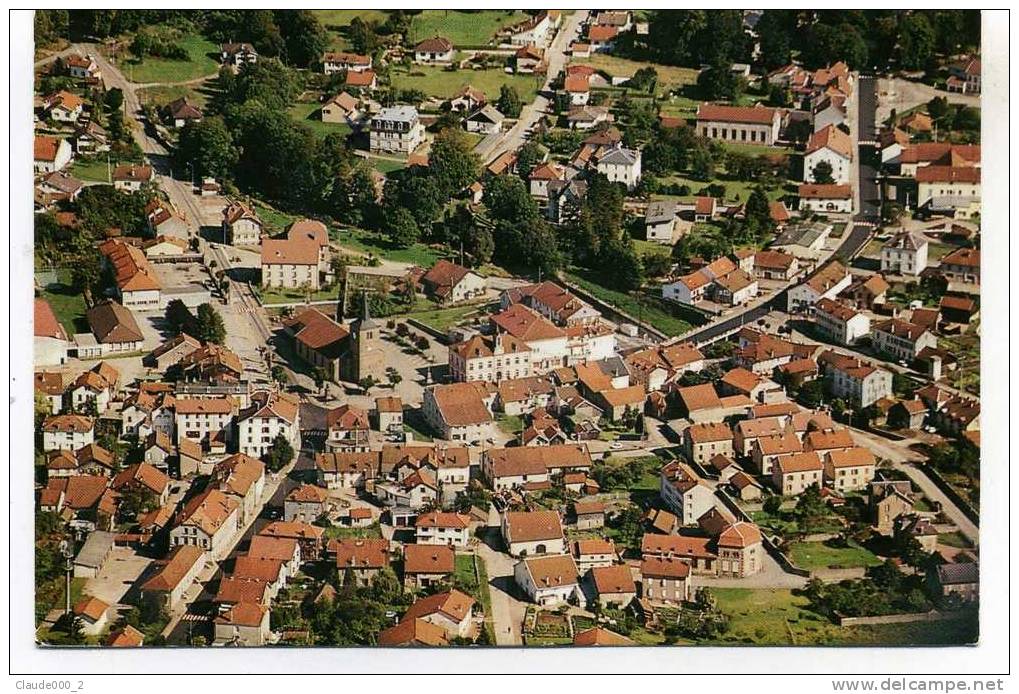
(652, 313)
(291, 296)
(471, 28)
(735, 190)
(67, 304)
(669, 77)
(309, 114)
(440, 83)
(91, 169)
(817, 555)
(442, 319)
(370, 242)
(340, 533)
(165, 94)
(161, 70)
(954, 539)
(966, 348)
(386, 165)
(275, 219)
(510, 424)
(777, 617)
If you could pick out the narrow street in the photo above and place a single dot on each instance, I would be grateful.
(514, 138)
(507, 611)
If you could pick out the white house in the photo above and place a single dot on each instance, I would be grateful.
(67, 432)
(51, 341)
(434, 50)
(51, 154)
(441, 528)
(840, 323)
(204, 420)
(739, 124)
(854, 380)
(208, 521)
(333, 62)
(662, 223)
(684, 492)
(396, 129)
(270, 414)
(241, 226)
(131, 177)
(550, 580)
(527, 533)
(621, 165)
(824, 283)
(486, 120)
(904, 254)
(901, 339)
(833, 147)
(460, 411)
(830, 197)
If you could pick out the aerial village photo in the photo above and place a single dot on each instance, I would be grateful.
(506, 328)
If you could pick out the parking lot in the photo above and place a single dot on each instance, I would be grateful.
(120, 572)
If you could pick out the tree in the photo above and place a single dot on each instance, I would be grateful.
(452, 162)
(916, 41)
(179, 318)
(621, 266)
(393, 376)
(363, 36)
(772, 504)
(509, 103)
(367, 383)
(529, 156)
(114, 99)
(719, 82)
(135, 501)
(279, 454)
(758, 211)
(702, 163)
(506, 197)
(279, 374)
(822, 173)
(656, 264)
(209, 325)
(304, 37)
(403, 228)
(207, 147)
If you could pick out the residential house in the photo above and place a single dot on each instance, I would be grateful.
(824, 283)
(207, 421)
(613, 585)
(594, 552)
(92, 614)
(588, 117)
(50, 385)
(832, 146)
(50, 343)
(396, 129)
(467, 100)
(209, 521)
(441, 528)
(825, 197)
(866, 292)
(360, 559)
(291, 263)
(173, 577)
(528, 533)
(904, 254)
(450, 283)
(755, 387)
(131, 177)
(238, 54)
(854, 380)
(434, 50)
(460, 411)
(67, 432)
(305, 503)
(450, 611)
(180, 112)
(766, 450)
(60, 186)
(745, 487)
(794, 472)
(960, 581)
(486, 120)
(269, 415)
(662, 223)
(389, 413)
(664, 579)
(346, 469)
(740, 550)
(243, 624)
(241, 226)
(50, 154)
(242, 479)
(554, 302)
(961, 183)
(549, 580)
(901, 339)
(889, 499)
(589, 515)
(491, 358)
(341, 108)
(849, 470)
(684, 492)
(413, 632)
(961, 265)
(840, 323)
(138, 286)
(427, 565)
(621, 165)
(704, 441)
(333, 62)
(964, 76)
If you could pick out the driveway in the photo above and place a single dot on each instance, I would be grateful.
(507, 610)
(120, 572)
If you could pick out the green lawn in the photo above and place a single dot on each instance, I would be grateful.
(341, 533)
(653, 313)
(470, 28)
(290, 296)
(370, 242)
(817, 555)
(937, 251)
(777, 617)
(755, 150)
(735, 190)
(417, 434)
(275, 219)
(669, 77)
(510, 423)
(92, 169)
(387, 165)
(954, 539)
(441, 83)
(67, 304)
(161, 70)
(310, 114)
(165, 94)
(442, 319)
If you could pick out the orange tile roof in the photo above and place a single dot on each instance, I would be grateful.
(834, 139)
(296, 251)
(91, 607)
(441, 519)
(531, 526)
(175, 567)
(238, 589)
(361, 553)
(613, 579)
(428, 559)
(664, 567)
(452, 604)
(414, 632)
(462, 404)
(246, 614)
(208, 511)
(598, 636)
(735, 114)
(825, 191)
(798, 462)
(855, 457)
(552, 571)
(46, 323)
(741, 534)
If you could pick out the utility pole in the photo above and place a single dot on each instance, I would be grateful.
(67, 552)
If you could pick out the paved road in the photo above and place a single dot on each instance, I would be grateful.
(905, 459)
(507, 611)
(514, 138)
(870, 197)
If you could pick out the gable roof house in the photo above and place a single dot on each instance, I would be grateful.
(460, 411)
(448, 282)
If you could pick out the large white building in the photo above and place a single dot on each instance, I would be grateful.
(396, 129)
(685, 493)
(739, 124)
(840, 323)
(854, 380)
(904, 254)
(621, 165)
(833, 147)
(490, 358)
(290, 264)
(268, 416)
(204, 420)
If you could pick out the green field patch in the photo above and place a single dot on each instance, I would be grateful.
(819, 555)
(68, 304)
(652, 310)
(442, 83)
(463, 28)
(150, 69)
